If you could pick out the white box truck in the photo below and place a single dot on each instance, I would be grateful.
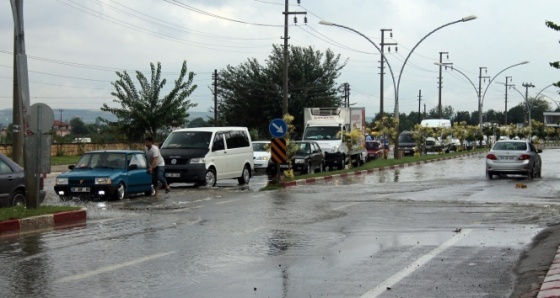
(327, 126)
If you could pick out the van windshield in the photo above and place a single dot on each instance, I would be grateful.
(188, 140)
(321, 133)
(406, 138)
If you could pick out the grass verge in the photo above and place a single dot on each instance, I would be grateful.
(64, 160)
(19, 212)
(378, 163)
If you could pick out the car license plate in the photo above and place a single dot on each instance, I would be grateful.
(80, 189)
(507, 157)
(172, 175)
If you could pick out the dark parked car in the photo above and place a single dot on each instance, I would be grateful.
(407, 143)
(110, 174)
(514, 157)
(308, 157)
(12, 184)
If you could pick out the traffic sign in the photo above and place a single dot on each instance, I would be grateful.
(278, 128)
(278, 150)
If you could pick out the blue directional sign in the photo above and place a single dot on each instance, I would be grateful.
(278, 128)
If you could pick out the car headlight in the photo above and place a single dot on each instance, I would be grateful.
(61, 181)
(198, 160)
(103, 180)
(299, 161)
(262, 158)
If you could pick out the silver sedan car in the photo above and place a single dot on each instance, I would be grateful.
(518, 157)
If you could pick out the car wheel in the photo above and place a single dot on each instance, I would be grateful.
(539, 173)
(120, 192)
(245, 176)
(18, 199)
(307, 169)
(531, 174)
(489, 175)
(210, 178)
(320, 168)
(340, 165)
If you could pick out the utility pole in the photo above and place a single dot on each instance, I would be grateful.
(480, 78)
(17, 117)
(346, 95)
(527, 86)
(424, 110)
(286, 55)
(215, 78)
(382, 67)
(507, 87)
(440, 84)
(419, 100)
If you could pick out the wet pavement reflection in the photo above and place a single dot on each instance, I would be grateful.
(337, 238)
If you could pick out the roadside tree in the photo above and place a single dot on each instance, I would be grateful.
(555, 64)
(143, 110)
(256, 89)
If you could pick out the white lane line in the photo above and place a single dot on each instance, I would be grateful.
(391, 281)
(347, 205)
(228, 201)
(113, 267)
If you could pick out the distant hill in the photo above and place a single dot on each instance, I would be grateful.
(88, 116)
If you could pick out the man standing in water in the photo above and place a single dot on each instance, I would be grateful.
(156, 165)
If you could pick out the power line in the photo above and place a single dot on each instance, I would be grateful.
(200, 11)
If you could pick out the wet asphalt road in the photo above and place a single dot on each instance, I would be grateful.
(432, 230)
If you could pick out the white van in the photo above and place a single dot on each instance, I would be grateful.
(204, 155)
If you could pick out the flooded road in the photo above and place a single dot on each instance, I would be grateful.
(431, 230)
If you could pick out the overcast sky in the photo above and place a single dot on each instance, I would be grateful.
(74, 47)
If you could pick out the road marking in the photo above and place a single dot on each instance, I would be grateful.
(391, 281)
(347, 205)
(113, 267)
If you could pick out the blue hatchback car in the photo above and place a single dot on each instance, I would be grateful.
(106, 175)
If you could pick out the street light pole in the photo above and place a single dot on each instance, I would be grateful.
(327, 23)
(491, 80)
(465, 19)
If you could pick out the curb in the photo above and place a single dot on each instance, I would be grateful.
(551, 285)
(367, 172)
(47, 221)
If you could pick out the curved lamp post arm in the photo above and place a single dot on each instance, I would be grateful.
(465, 19)
(484, 94)
(554, 101)
(327, 23)
(537, 96)
(464, 75)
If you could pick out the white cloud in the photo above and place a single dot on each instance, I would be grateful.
(131, 34)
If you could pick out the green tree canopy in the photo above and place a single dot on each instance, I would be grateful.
(78, 127)
(555, 64)
(143, 110)
(256, 89)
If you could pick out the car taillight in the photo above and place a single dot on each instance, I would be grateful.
(491, 156)
(524, 157)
